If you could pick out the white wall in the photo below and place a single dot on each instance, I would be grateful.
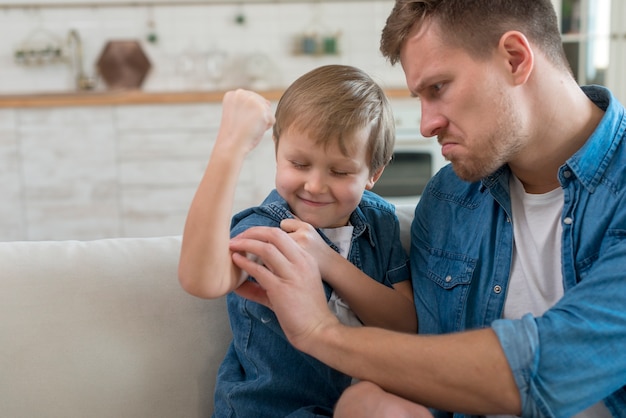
(191, 32)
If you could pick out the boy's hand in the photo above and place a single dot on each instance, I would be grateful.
(310, 241)
(245, 117)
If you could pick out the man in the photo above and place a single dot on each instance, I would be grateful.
(518, 249)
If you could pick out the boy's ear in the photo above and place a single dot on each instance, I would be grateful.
(374, 178)
(275, 143)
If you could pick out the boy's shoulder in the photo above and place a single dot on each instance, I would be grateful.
(373, 202)
(270, 212)
(374, 208)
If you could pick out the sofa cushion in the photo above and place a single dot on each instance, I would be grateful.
(103, 329)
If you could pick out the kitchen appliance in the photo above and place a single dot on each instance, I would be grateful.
(415, 158)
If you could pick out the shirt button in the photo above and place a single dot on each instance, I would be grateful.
(448, 279)
(567, 174)
(568, 221)
(497, 288)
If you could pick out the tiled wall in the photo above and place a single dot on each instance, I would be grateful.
(112, 171)
(187, 34)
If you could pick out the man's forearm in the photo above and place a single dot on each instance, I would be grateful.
(465, 372)
(456, 372)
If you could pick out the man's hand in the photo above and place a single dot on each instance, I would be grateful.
(289, 280)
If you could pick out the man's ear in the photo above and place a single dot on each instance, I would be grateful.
(374, 178)
(518, 52)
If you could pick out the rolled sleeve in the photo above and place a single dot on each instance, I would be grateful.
(520, 342)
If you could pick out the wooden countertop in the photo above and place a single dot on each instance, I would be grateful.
(133, 97)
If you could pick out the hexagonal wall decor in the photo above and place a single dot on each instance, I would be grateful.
(123, 64)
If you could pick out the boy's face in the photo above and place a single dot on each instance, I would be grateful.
(322, 185)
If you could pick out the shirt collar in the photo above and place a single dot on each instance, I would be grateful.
(589, 163)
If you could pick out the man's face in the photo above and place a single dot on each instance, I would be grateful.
(466, 102)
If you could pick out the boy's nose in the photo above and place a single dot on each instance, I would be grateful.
(314, 183)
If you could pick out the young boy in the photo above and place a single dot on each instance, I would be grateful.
(334, 134)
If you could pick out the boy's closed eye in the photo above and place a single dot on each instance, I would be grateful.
(299, 165)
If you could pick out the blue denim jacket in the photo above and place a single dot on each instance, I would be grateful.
(575, 354)
(262, 374)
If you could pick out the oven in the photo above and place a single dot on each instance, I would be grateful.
(415, 159)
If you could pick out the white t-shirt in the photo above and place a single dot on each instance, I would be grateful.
(536, 280)
(342, 238)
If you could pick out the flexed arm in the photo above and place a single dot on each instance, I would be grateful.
(205, 268)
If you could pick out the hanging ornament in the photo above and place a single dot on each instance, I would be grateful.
(151, 35)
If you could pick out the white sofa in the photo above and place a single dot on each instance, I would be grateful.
(102, 329)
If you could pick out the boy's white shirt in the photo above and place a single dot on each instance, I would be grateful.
(342, 238)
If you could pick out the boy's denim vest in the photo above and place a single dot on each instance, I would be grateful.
(262, 374)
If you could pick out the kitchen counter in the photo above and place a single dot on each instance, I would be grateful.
(131, 97)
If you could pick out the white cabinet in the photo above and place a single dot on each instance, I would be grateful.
(111, 171)
(585, 28)
(162, 153)
(617, 68)
(68, 172)
(594, 38)
(12, 224)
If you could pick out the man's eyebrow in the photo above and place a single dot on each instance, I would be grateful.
(421, 86)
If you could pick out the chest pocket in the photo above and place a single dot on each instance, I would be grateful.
(449, 276)
(449, 270)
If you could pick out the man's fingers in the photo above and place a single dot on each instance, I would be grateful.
(267, 243)
(253, 291)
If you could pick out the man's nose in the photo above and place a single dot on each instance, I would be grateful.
(432, 121)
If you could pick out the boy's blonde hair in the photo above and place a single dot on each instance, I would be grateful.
(334, 102)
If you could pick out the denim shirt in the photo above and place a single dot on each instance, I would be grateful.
(262, 375)
(575, 354)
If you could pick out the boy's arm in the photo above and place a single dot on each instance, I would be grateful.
(374, 303)
(205, 267)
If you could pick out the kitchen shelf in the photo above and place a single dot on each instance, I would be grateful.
(135, 97)
(122, 3)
